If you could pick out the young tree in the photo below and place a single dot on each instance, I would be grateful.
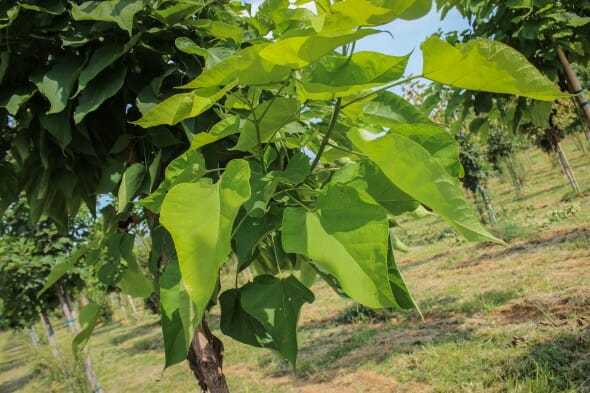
(283, 147)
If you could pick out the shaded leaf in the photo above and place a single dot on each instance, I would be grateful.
(88, 318)
(120, 12)
(130, 183)
(58, 82)
(98, 91)
(192, 213)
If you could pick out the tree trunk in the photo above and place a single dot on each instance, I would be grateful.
(33, 335)
(562, 158)
(122, 306)
(132, 303)
(574, 85)
(74, 328)
(513, 175)
(489, 207)
(205, 359)
(51, 340)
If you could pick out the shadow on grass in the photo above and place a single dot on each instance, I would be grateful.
(17, 384)
(562, 364)
(135, 332)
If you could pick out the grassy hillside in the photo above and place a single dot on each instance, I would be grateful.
(512, 318)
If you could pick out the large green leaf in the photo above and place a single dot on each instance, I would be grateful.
(200, 218)
(239, 325)
(177, 12)
(219, 29)
(298, 51)
(348, 14)
(88, 318)
(130, 183)
(368, 177)
(103, 57)
(178, 315)
(412, 168)
(13, 102)
(98, 91)
(276, 303)
(338, 76)
(389, 109)
(120, 12)
(189, 167)
(245, 66)
(271, 116)
(348, 238)
(182, 106)
(486, 66)
(59, 126)
(58, 82)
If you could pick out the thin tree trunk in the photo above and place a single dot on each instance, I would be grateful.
(34, 337)
(132, 303)
(122, 305)
(489, 206)
(74, 328)
(52, 341)
(562, 158)
(574, 85)
(478, 207)
(205, 358)
(513, 175)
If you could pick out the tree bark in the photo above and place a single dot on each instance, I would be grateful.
(33, 335)
(562, 158)
(574, 85)
(513, 175)
(205, 359)
(51, 340)
(74, 328)
(132, 303)
(489, 207)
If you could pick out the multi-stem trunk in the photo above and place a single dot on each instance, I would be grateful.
(33, 335)
(489, 207)
(205, 358)
(74, 327)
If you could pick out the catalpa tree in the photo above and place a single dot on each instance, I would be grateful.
(265, 142)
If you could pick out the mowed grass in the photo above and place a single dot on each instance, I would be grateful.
(496, 318)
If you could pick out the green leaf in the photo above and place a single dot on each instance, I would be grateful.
(220, 130)
(250, 232)
(540, 112)
(338, 76)
(348, 238)
(178, 315)
(133, 282)
(244, 66)
(187, 45)
(389, 109)
(368, 177)
(271, 116)
(299, 51)
(189, 167)
(182, 106)
(88, 318)
(59, 126)
(219, 29)
(276, 304)
(486, 65)
(417, 10)
(98, 91)
(349, 14)
(120, 12)
(412, 168)
(14, 101)
(62, 268)
(192, 213)
(130, 183)
(178, 12)
(102, 58)
(239, 325)
(57, 84)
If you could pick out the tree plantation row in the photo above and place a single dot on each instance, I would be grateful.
(146, 145)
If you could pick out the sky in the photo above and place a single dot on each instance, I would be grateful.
(407, 35)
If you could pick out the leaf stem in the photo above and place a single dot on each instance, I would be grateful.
(331, 126)
(389, 86)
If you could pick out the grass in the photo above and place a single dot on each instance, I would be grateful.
(513, 318)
